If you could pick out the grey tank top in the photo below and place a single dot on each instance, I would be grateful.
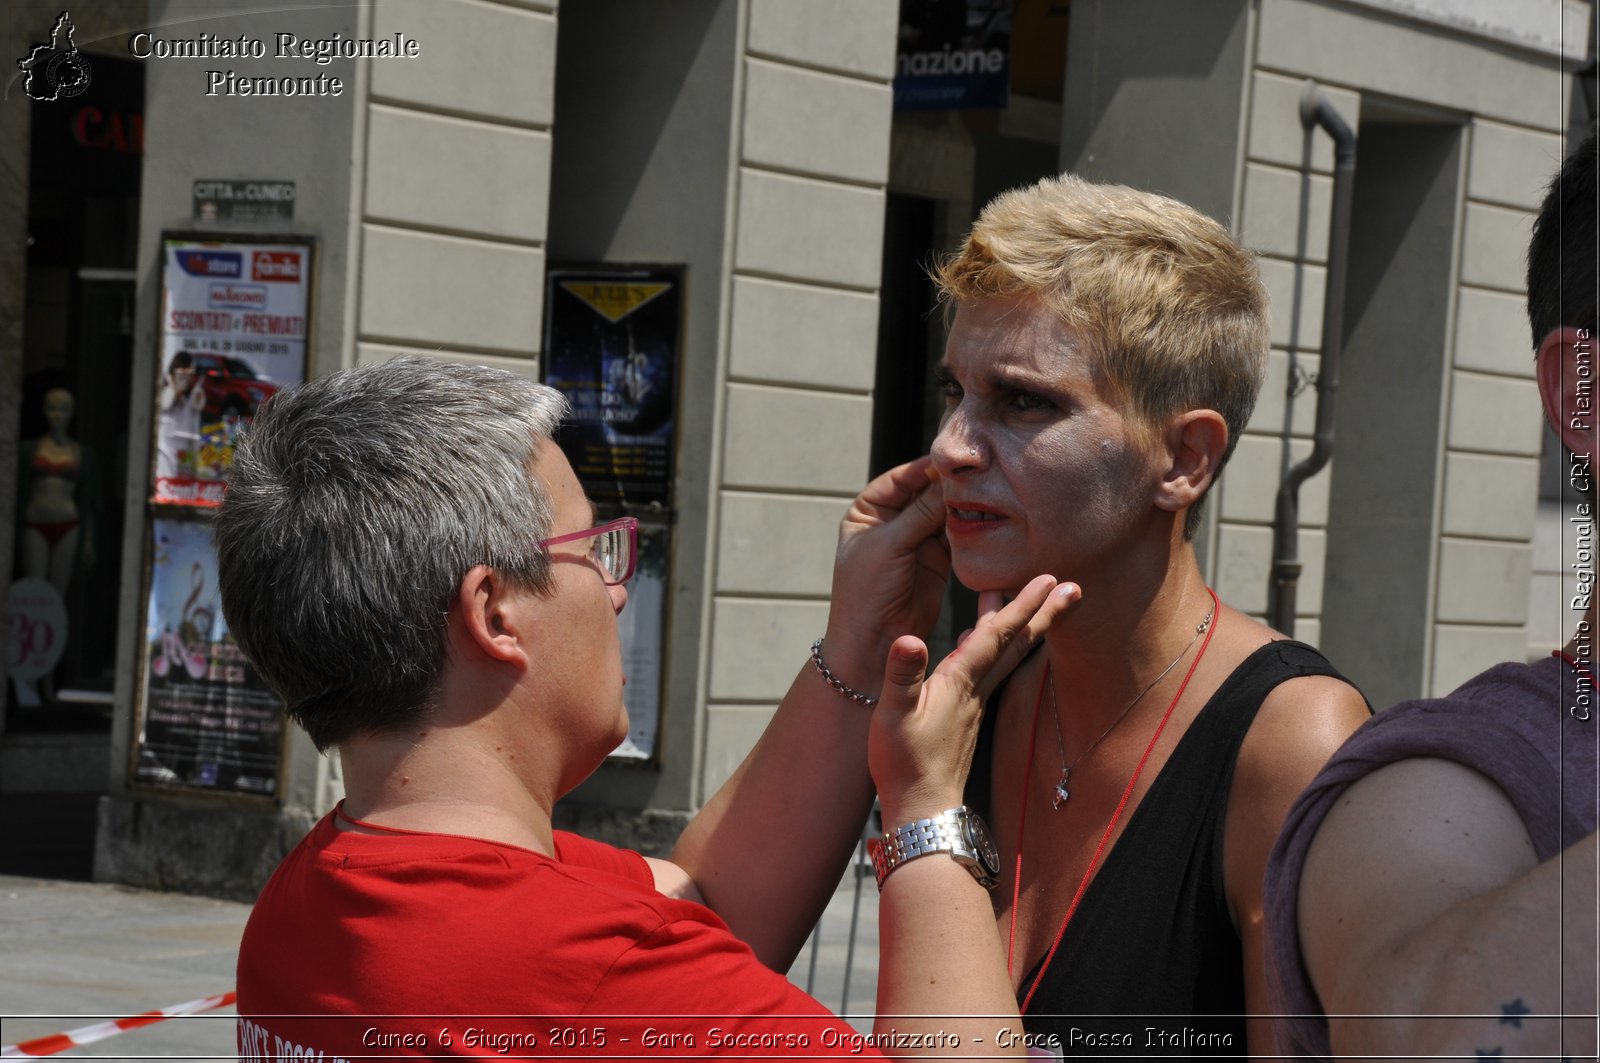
(1512, 725)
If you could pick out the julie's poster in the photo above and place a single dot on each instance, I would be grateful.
(235, 318)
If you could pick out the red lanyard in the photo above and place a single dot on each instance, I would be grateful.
(1580, 670)
(1105, 838)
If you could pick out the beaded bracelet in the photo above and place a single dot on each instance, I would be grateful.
(835, 682)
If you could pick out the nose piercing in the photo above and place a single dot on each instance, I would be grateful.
(972, 451)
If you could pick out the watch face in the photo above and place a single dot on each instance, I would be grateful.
(979, 838)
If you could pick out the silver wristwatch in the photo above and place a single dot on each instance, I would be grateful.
(958, 831)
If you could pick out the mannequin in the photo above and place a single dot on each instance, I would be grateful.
(57, 531)
(56, 537)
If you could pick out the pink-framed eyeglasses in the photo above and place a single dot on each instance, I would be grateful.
(614, 550)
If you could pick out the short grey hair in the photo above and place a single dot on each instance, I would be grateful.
(355, 504)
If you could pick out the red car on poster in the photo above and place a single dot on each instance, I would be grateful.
(230, 386)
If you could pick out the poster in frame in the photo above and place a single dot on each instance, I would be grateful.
(611, 343)
(204, 719)
(234, 326)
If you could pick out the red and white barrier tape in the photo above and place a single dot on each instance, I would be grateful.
(88, 1035)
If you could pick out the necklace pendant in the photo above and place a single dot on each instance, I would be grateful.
(1060, 796)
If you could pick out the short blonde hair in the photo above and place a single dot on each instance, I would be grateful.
(1170, 307)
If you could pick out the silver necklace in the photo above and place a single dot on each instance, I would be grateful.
(1060, 794)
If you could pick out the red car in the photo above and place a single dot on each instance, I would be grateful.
(230, 386)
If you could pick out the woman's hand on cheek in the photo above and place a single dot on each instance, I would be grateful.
(889, 573)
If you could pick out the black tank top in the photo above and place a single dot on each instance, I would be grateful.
(1151, 963)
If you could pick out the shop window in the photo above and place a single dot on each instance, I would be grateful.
(84, 169)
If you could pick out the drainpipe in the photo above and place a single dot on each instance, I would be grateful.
(1315, 109)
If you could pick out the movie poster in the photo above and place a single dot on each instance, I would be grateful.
(611, 345)
(206, 720)
(234, 324)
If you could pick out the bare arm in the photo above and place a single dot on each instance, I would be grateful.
(941, 968)
(943, 989)
(1298, 727)
(1422, 896)
(807, 777)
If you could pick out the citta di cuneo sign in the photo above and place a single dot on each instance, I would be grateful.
(244, 201)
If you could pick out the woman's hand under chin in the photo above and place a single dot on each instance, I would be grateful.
(1014, 652)
(924, 728)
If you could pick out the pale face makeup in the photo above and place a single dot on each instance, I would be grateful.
(1043, 470)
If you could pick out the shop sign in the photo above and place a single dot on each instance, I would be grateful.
(235, 318)
(120, 131)
(953, 55)
(206, 720)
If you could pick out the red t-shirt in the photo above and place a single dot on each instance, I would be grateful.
(410, 944)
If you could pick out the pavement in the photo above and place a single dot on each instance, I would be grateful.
(76, 953)
(73, 954)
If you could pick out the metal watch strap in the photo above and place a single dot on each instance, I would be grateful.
(943, 833)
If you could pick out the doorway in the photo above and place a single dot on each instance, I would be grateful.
(1393, 379)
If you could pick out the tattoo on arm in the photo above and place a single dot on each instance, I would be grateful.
(1511, 1014)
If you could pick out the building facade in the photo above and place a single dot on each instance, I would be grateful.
(755, 145)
